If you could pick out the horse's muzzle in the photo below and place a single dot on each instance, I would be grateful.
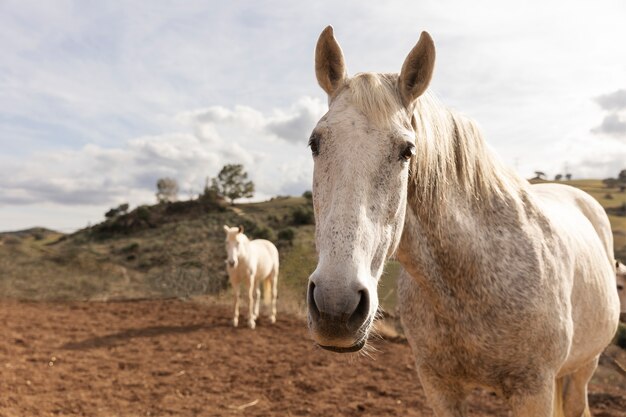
(338, 321)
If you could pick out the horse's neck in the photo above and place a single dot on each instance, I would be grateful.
(448, 249)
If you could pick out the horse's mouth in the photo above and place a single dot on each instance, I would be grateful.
(354, 348)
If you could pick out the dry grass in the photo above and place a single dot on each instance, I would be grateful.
(177, 255)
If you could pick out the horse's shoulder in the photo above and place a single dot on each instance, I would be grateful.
(563, 193)
(563, 198)
(570, 208)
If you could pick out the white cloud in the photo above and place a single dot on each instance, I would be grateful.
(300, 118)
(209, 139)
(614, 101)
(614, 123)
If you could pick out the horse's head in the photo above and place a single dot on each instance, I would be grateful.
(361, 151)
(234, 244)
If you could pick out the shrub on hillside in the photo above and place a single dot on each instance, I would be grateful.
(143, 213)
(287, 235)
(257, 231)
(264, 232)
(302, 216)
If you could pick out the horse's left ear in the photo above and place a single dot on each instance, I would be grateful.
(240, 229)
(417, 70)
(330, 68)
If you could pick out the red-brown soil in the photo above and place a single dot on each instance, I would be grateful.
(175, 358)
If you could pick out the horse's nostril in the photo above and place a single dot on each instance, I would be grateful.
(361, 312)
(313, 310)
(231, 263)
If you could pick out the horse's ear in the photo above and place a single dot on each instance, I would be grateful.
(417, 70)
(226, 228)
(330, 68)
(240, 229)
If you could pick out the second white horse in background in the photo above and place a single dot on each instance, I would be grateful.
(252, 262)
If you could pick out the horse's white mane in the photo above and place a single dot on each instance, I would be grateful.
(449, 146)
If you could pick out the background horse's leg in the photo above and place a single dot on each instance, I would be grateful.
(257, 300)
(236, 290)
(274, 296)
(443, 397)
(251, 291)
(575, 393)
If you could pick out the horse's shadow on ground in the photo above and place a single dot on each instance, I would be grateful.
(124, 336)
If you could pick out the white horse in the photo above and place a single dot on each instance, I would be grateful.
(505, 286)
(252, 262)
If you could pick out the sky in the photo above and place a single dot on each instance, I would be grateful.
(98, 100)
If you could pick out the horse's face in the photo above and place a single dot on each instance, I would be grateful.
(234, 247)
(359, 197)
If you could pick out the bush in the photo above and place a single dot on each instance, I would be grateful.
(308, 195)
(210, 196)
(302, 216)
(264, 232)
(143, 213)
(257, 231)
(131, 247)
(287, 234)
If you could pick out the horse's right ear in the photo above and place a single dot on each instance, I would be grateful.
(240, 229)
(226, 228)
(330, 68)
(417, 70)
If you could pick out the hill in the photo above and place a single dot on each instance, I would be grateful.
(165, 250)
(176, 250)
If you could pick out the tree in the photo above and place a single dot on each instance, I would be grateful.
(117, 211)
(167, 190)
(568, 177)
(232, 183)
(540, 174)
(610, 182)
(558, 177)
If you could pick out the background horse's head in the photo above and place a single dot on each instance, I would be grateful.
(234, 244)
(361, 150)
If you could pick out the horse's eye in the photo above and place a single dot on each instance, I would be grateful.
(407, 152)
(314, 144)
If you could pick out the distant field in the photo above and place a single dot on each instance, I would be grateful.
(609, 198)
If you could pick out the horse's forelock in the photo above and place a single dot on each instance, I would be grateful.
(377, 96)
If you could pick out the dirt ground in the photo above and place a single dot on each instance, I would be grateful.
(177, 358)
